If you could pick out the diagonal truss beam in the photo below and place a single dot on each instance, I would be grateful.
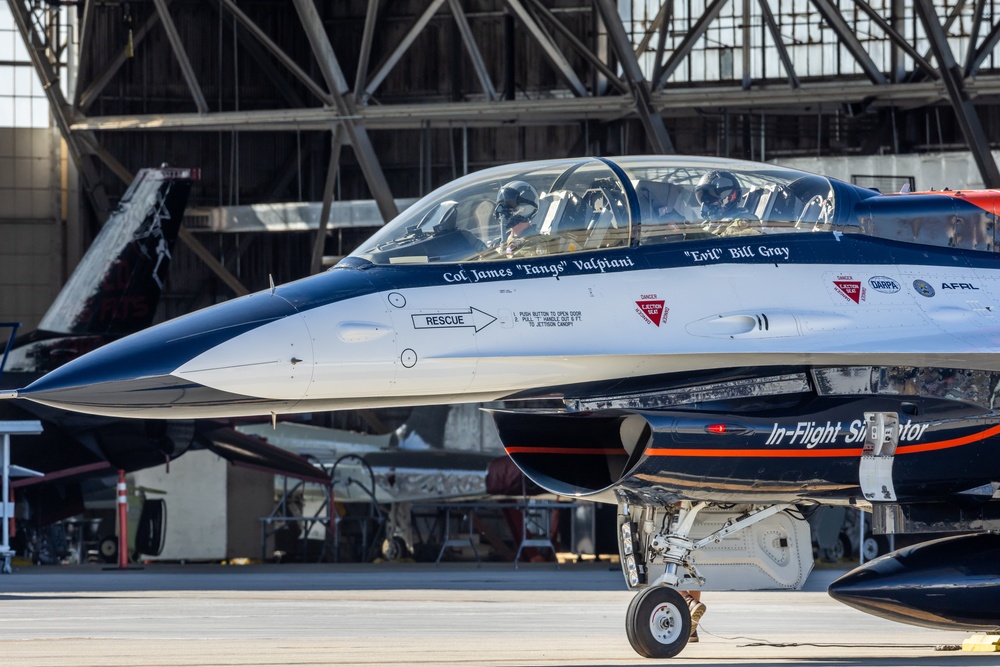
(86, 30)
(401, 48)
(181, 55)
(965, 112)
(367, 39)
(61, 111)
(684, 49)
(549, 48)
(897, 39)
(985, 49)
(345, 105)
(99, 83)
(277, 52)
(652, 121)
(656, 27)
(465, 30)
(580, 47)
(249, 44)
(779, 44)
(319, 243)
(977, 24)
(847, 37)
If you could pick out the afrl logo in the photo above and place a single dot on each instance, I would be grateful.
(884, 284)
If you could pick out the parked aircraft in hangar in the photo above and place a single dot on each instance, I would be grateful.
(733, 343)
(114, 291)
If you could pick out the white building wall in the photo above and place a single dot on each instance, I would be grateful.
(31, 233)
(937, 171)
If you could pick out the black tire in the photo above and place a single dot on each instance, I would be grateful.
(874, 546)
(658, 623)
(394, 548)
(151, 530)
(109, 549)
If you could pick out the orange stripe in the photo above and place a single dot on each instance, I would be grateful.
(945, 444)
(812, 453)
(564, 450)
(765, 453)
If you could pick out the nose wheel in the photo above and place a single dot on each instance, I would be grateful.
(658, 622)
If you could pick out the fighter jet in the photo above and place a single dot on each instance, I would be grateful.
(725, 345)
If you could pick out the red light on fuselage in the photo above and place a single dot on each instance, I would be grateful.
(716, 428)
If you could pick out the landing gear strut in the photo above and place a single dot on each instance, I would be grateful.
(658, 622)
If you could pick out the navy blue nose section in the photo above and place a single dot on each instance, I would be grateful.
(132, 376)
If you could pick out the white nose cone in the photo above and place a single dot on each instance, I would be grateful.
(272, 361)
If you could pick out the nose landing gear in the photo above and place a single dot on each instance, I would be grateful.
(658, 622)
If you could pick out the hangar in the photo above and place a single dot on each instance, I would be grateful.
(312, 122)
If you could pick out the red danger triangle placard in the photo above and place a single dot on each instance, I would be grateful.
(849, 288)
(652, 310)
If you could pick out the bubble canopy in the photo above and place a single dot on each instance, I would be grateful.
(564, 206)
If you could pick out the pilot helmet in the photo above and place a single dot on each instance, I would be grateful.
(517, 202)
(717, 192)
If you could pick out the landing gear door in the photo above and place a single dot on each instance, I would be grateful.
(881, 438)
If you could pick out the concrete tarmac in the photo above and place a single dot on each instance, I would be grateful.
(416, 614)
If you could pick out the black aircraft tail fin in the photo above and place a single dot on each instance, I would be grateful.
(116, 287)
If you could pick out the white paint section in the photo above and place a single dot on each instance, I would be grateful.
(272, 361)
(353, 365)
(472, 340)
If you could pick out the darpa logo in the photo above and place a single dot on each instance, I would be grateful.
(884, 284)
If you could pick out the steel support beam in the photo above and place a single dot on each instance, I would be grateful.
(661, 41)
(404, 44)
(684, 49)
(779, 44)
(86, 30)
(99, 83)
(655, 28)
(953, 15)
(211, 262)
(367, 38)
(276, 51)
(652, 121)
(465, 30)
(836, 21)
(747, 44)
(965, 112)
(344, 102)
(897, 39)
(580, 47)
(181, 55)
(61, 111)
(984, 50)
(556, 111)
(977, 23)
(337, 142)
(246, 40)
(549, 48)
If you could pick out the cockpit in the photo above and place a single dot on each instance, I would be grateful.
(565, 206)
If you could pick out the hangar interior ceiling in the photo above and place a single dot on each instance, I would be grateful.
(304, 101)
